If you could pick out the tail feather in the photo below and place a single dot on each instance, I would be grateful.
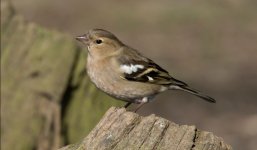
(194, 92)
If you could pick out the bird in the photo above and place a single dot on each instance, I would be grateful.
(124, 73)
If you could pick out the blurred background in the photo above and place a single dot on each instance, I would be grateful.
(211, 45)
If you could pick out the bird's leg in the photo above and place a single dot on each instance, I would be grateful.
(127, 104)
(142, 102)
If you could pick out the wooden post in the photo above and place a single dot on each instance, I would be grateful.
(120, 129)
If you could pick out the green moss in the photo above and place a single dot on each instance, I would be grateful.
(29, 49)
(87, 104)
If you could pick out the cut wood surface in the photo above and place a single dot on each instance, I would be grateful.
(120, 129)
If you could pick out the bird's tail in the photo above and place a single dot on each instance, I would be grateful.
(192, 91)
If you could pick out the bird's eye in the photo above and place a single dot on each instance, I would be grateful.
(98, 41)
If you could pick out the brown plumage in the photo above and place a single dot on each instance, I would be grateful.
(124, 73)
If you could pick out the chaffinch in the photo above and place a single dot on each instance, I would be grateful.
(124, 73)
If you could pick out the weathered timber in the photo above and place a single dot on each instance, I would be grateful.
(124, 130)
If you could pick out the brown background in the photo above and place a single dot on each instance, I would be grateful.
(210, 45)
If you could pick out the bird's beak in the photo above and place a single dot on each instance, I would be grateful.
(83, 38)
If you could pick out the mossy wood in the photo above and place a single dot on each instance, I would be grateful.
(46, 98)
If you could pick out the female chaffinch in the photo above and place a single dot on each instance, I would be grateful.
(125, 74)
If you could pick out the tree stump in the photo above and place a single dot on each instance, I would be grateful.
(120, 129)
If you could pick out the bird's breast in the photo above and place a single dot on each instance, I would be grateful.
(103, 75)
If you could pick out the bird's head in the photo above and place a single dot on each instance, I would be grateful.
(100, 42)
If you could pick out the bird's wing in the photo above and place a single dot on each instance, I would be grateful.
(142, 69)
